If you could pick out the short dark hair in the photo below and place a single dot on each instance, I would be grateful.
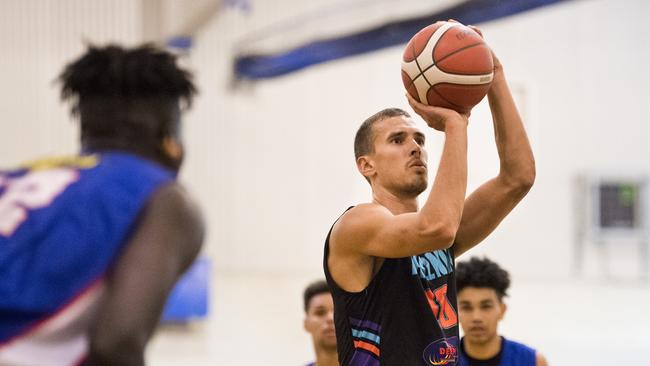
(482, 272)
(126, 93)
(364, 139)
(315, 288)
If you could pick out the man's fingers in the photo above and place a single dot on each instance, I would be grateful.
(414, 103)
(428, 112)
(421, 108)
(477, 30)
(411, 99)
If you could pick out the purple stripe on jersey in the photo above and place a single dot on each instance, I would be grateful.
(360, 358)
(365, 324)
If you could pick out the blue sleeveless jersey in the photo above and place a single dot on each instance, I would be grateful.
(512, 354)
(62, 224)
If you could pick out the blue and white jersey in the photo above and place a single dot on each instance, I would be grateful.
(62, 224)
(511, 354)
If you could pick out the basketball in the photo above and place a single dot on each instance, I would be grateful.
(447, 64)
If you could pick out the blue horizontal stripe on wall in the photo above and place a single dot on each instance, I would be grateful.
(262, 66)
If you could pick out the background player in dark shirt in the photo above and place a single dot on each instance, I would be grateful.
(482, 285)
(319, 322)
(121, 210)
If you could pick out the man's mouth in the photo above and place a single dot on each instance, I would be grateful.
(417, 163)
(330, 332)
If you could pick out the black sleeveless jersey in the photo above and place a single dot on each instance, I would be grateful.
(406, 316)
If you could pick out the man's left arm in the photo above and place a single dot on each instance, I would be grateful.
(489, 204)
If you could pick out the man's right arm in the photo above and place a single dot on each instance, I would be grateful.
(372, 230)
(166, 241)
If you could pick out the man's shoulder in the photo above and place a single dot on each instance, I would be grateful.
(173, 221)
(172, 200)
(517, 345)
(361, 214)
(523, 353)
(356, 221)
(363, 208)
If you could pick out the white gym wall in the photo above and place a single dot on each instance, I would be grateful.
(271, 163)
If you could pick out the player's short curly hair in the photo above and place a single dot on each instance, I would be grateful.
(315, 288)
(482, 272)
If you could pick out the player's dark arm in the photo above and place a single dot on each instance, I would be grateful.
(168, 238)
(486, 207)
(374, 231)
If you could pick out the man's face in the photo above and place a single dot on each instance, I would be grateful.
(319, 321)
(399, 159)
(480, 311)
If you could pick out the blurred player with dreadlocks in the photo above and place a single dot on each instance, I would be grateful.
(482, 285)
(91, 245)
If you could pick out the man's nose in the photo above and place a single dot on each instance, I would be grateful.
(415, 148)
(330, 316)
(469, 315)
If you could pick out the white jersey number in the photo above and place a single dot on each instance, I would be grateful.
(34, 190)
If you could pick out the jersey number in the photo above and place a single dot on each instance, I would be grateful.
(441, 307)
(34, 190)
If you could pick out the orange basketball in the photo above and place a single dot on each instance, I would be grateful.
(448, 65)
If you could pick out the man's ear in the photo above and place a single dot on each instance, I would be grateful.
(172, 148)
(304, 324)
(366, 166)
(502, 309)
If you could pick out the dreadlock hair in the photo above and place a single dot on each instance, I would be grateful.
(484, 273)
(315, 288)
(126, 97)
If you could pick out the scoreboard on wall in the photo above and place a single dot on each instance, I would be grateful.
(611, 226)
(617, 206)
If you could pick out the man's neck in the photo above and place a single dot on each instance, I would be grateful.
(393, 202)
(326, 357)
(145, 151)
(483, 351)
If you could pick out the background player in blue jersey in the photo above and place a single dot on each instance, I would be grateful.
(482, 285)
(390, 262)
(319, 322)
(91, 245)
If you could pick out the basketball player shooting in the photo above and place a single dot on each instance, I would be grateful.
(390, 262)
(92, 244)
